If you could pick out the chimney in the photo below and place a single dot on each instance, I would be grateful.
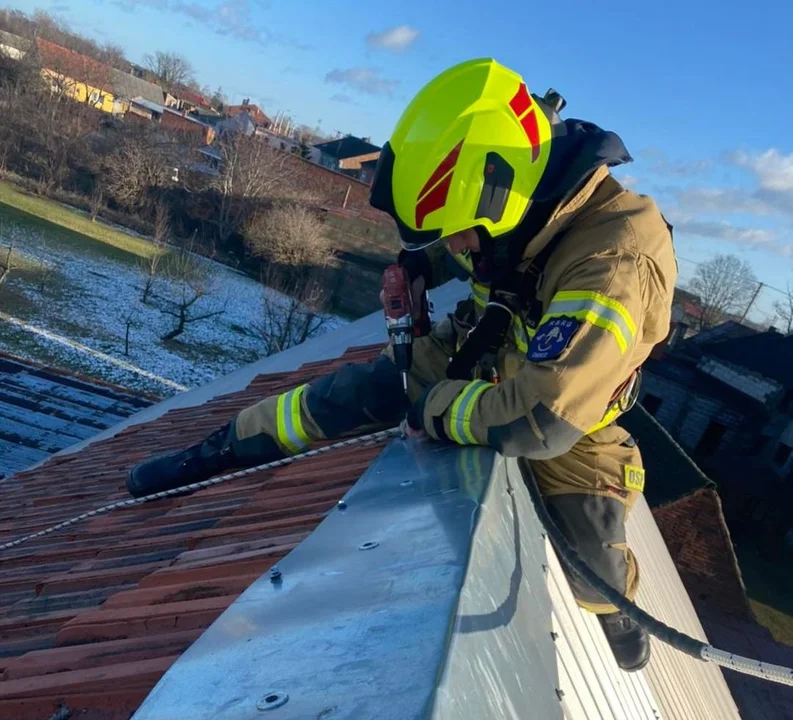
(246, 101)
(774, 330)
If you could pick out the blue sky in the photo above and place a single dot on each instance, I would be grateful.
(699, 90)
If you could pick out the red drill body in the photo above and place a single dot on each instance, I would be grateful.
(399, 316)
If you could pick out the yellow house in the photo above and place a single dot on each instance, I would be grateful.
(76, 76)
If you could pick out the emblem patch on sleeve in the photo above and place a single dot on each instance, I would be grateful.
(552, 338)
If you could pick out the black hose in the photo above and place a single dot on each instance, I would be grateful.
(572, 559)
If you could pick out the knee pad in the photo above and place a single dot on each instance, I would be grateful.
(357, 394)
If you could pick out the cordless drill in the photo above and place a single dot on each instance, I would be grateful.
(402, 327)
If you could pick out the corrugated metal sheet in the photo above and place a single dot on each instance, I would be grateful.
(43, 411)
(684, 687)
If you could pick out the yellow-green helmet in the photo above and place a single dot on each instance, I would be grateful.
(469, 151)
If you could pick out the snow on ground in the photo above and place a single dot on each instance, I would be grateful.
(89, 299)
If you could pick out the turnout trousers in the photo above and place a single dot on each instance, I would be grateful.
(587, 490)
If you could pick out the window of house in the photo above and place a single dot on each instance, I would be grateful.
(711, 439)
(782, 454)
(651, 403)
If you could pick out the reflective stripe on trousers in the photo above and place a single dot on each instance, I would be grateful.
(291, 433)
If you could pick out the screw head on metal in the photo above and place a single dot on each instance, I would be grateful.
(554, 636)
(559, 694)
(370, 545)
(275, 573)
(342, 505)
(272, 700)
(406, 483)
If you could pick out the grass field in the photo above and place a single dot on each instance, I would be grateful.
(71, 219)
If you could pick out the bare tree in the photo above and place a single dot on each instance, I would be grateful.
(129, 323)
(46, 273)
(250, 169)
(784, 310)
(293, 316)
(193, 283)
(170, 68)
(141, 163)
(96, 202)
(6, 262)
(289, 234)
(725, 285)
(152, 266)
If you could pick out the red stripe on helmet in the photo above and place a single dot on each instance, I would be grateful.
(434, 200)
(532, 130)
(522, 100)
(446, 165)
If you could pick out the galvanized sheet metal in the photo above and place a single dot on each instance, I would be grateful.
(683, 687)
(447, 613)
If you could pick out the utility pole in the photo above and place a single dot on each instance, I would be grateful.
(751, 302)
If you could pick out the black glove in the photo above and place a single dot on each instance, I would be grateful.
(415, 417)
(417, 263)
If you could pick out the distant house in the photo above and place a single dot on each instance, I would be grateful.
(171, 119)
(257, 116)
(347, 154)
(126, 87)
(368, 168)
(729, 402)
(182, 98)
(13, 46)
(77, 76)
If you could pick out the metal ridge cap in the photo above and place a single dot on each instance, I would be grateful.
(355, 622)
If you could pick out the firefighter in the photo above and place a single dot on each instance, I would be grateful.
(571, 287)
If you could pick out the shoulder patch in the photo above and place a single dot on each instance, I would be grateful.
(552, 338)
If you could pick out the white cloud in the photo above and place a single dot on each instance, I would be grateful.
(341, 98)
(231, 18)
(363, 79)
(628, 181)
(660, 163)
(396, 38)
(773, 170)
(722, 230)
(718, 201)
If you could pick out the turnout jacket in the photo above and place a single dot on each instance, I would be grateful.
(606, 295)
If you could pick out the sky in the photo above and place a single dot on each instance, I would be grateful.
(699, 90)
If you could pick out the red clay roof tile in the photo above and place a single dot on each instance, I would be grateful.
(92, 616)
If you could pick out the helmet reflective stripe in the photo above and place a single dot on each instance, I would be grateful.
(433, 195)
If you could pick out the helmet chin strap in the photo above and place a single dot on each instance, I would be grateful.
(496, 256)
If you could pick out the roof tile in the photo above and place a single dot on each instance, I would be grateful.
(94, 614)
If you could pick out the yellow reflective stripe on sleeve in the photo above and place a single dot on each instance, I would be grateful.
(521, 341)
(480, 292)
(291, 433)
(596, 309)
(462, 409)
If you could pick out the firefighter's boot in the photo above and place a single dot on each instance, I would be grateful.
(212, 456)
(629, 642)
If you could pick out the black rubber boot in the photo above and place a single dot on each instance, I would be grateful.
(212, 456)
(629, 642)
